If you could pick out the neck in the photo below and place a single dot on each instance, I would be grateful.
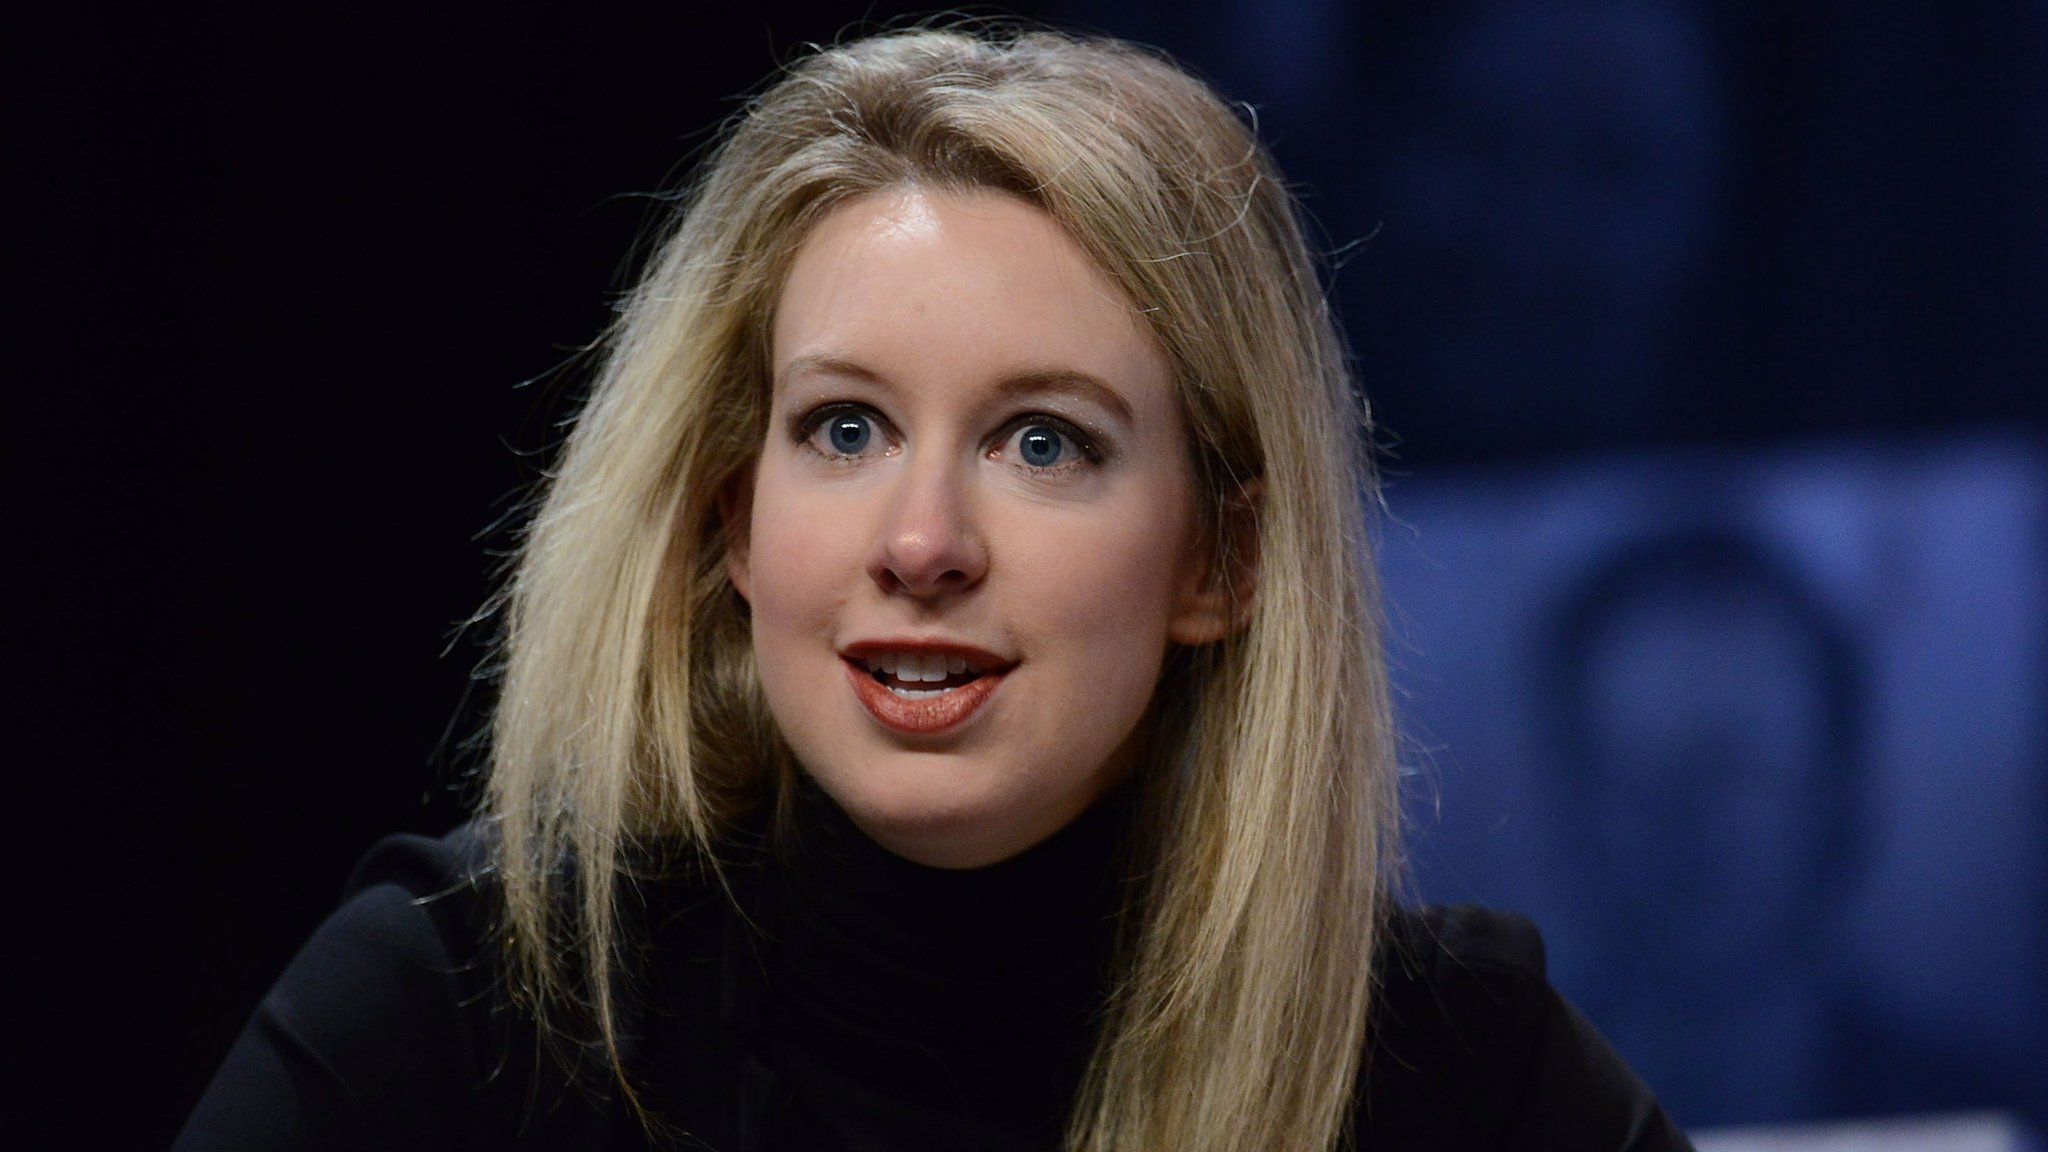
(1063, 893)
(1011, 958)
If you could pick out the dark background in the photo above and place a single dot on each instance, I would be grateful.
(1705, 342)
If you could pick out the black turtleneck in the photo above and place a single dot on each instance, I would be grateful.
(911, 1006)
(846, 999)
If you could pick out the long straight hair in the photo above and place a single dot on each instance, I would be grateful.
(630, 712)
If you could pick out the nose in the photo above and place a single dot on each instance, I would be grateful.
(929, 544)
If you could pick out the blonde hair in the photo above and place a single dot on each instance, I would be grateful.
(631, 716)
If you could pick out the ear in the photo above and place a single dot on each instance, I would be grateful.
(735, 512)
(1220, 576)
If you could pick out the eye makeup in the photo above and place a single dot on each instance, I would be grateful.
(849, 432)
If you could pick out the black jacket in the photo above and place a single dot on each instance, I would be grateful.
(804, 1027)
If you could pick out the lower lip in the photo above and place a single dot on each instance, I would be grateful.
(924, 717)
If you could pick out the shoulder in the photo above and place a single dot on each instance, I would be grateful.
(1470, 1047)
(415, 909)
(391, 1028)
(425, 866)
(409, 939)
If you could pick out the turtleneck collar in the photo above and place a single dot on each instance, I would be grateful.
(947, 992)
(1018, 944)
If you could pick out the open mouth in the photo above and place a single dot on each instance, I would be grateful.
(924, 693)
(921, 675)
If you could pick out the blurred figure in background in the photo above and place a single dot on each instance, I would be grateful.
(1539, 263)
(1704, 717)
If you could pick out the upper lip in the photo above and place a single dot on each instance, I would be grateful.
(979, 657)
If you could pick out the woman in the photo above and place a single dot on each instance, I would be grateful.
(941, 703)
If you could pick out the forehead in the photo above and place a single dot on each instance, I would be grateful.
(958, 287)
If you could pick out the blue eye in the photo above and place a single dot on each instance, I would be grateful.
(1040, 446)
(845, 433)
(1043, 444)
(849, 433)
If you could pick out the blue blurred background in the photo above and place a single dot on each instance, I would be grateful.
(1704, 339)
(1707, 342)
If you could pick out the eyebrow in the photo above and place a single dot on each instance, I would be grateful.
(1031, 381)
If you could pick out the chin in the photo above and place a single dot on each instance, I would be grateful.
(940, 823)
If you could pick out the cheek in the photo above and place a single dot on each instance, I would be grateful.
(799, 561)
(1107, 583)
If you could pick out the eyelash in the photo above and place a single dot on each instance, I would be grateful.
(1090, 454)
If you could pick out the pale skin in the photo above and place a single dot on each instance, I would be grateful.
(974, 439)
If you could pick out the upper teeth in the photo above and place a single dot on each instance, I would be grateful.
(919, 666)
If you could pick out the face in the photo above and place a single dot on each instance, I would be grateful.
(970, 539)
